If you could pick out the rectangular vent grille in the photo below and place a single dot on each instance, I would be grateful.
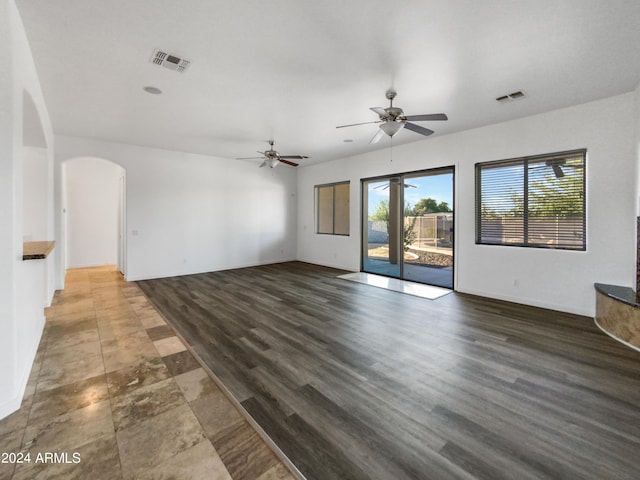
(511, 96)
(172, 62)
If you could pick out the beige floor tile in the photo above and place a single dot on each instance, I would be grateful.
(196, 384)
(137, 299)
(16, 422)
(137, 375)
(82, 305)
(149, 443)
(199, 462)
(63, 339)
(70, 431)
(215, 413)
(122, 312)
(144, 308)
(151, 320)
(97, 460)
(59, 315)
(66, 398)
(109, 302)
(125, 336)
(146, 402)
(9, 443)
(67, 369)
(55, 357)
(124, 327)
(120, 353)
(168, 346)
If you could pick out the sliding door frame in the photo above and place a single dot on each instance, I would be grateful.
(402, 176)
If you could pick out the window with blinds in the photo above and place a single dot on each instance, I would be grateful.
(532, 202)
(332, 208)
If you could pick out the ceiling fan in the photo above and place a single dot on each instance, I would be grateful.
(557, 165)
(386, 185)
(392, 119)
(272, 158)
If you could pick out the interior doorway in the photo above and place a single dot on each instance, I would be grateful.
(94, 206)
(122, 227)
(407, 222)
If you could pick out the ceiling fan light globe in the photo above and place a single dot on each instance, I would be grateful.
(391, 128)
(273, 162)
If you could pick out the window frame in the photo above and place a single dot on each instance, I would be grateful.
(524, 163)
(317, 206)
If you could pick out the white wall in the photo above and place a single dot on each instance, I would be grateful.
(91, 206)
(190, 213)
(637, 123)
(8, 381)
(24, 286)
(35, 196)
(561, 280)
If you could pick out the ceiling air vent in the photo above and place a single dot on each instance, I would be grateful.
(172, 62)
(511, 96)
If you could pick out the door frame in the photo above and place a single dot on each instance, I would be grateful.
(402, 176)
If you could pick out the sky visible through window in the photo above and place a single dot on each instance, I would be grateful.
(502, 186)
(505, 182)
(439, 187)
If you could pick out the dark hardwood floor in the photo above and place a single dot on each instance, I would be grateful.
(356, 382)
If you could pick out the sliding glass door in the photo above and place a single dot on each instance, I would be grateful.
(408, 226)
(382, 252)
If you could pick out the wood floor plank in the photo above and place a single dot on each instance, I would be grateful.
(356, 382)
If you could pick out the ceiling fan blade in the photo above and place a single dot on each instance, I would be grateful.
(292, 157)
(354, 124)
(376, 138)
(293, 164)
(263, 164)
(429, 117)
(557, 171)
(418, 129)
(250, 158)
(380, 111)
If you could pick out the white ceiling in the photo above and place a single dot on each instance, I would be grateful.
(295, 69)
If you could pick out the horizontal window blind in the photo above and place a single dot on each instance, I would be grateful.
(533, 202)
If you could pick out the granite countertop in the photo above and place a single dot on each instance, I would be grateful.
(623, 294)
(37, 250)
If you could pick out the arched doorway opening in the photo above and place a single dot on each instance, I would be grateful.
(94, 201)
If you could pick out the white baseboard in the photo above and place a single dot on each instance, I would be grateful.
(530, 302)
(328, 264)
(214, 268)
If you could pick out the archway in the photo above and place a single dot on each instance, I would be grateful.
(36, 176)
(94, 198)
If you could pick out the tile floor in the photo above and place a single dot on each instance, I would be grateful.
(112, 384)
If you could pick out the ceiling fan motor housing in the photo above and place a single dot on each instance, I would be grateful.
(394, 113)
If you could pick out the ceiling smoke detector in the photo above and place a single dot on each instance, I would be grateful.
(172, 62)
(511, 96)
